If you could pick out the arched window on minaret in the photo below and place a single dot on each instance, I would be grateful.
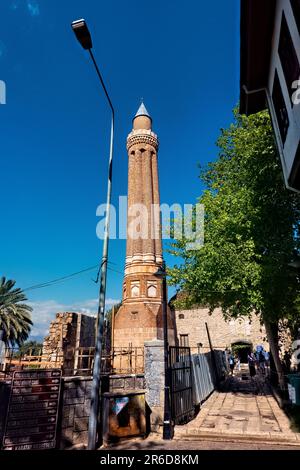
(152, 289)
(135, 289)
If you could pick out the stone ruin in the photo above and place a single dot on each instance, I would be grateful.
(71, 336)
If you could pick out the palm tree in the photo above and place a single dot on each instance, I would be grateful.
(15, 317)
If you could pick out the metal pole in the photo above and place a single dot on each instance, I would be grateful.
(213, 357)
(112, 329)
(95, 390)
(167, 428)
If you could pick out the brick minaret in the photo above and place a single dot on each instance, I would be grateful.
(140, 317)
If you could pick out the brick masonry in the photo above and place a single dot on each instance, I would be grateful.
(139, 319)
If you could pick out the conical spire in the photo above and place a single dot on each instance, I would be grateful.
(142, 111)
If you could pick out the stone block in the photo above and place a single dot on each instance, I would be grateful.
(80, 438)
(82, 410)
(67, 436)
(129, 383)
(117, 383)
(156, 419)
(140, 383)
(67, 416)
(74, 401)
(69, 385)
(81, 424)
(70, 393)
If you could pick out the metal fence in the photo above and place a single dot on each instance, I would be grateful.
(207, 372)
(181, 384)
(203, 383)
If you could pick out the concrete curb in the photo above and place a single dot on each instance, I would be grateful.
(227, 437)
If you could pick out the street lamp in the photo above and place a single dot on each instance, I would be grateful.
(167, 425)
(83, 35)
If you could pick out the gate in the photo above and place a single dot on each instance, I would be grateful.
(181, 384)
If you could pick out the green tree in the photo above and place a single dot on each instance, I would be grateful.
(32, 348)
(251, 233)
(15, 317)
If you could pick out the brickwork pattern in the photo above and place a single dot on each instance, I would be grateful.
(139, 319)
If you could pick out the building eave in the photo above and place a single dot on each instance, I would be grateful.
(256, 30)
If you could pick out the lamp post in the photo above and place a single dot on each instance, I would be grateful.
(167, 425)
(83, 35)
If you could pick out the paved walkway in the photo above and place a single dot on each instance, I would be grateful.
(244, 410)
(156, 444)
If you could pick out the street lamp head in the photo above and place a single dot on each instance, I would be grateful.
(161, 270)
(82, 33)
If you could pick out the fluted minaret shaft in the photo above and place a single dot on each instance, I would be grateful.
(140, 317)
(144, 245)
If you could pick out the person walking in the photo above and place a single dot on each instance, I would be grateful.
(267, 362)
(261, 361)
(251, 363)
(238, 362)
(231, 363)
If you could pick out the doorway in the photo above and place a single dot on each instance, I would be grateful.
(242, 349)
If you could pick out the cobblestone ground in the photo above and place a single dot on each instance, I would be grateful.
(244, 409)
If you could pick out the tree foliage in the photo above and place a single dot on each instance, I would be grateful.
(251, 230)
(15, 316)
(32, 348)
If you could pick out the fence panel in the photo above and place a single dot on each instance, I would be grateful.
(182, 406)
(205, 377)
(202, 375)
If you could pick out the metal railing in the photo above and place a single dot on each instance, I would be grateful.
(128, 360)
(181, 384)
(77, 361)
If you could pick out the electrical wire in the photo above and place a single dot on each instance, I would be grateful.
(63, 279)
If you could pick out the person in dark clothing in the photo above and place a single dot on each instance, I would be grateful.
(261, 361)
(231, 361)
(287, 362)
(251, 364)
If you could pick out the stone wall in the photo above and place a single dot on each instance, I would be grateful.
(155, 382)
(76, 402)
(75, 411)
(223, 333)
(68, 332)
(118, 383)
(61, 330)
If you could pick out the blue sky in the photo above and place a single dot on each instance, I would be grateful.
(182, 57)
